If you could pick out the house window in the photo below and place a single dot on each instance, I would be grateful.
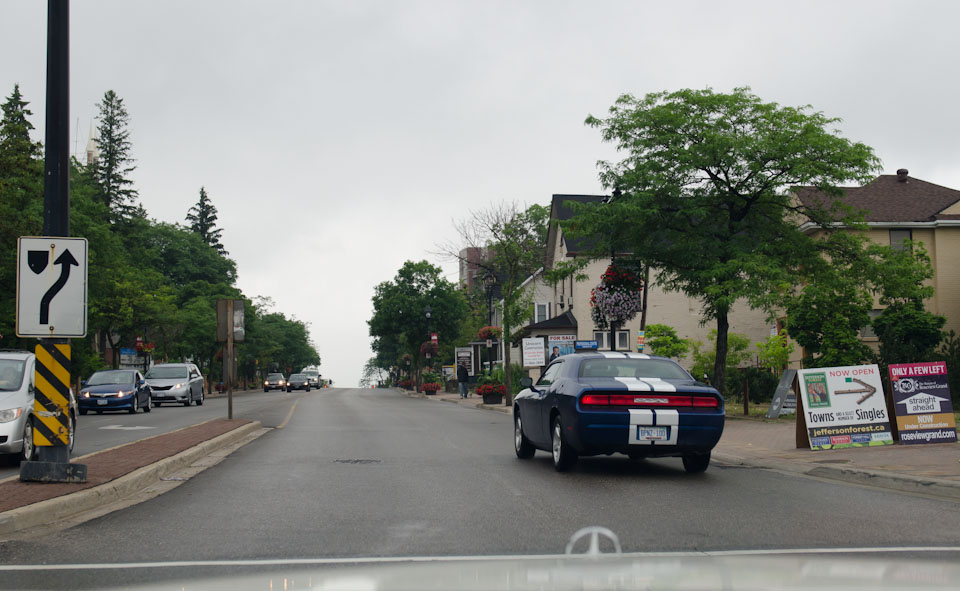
(867, 331)
(898, 236)
(603, 339)
(541, 312)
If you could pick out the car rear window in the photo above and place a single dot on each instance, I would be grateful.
(632, 368)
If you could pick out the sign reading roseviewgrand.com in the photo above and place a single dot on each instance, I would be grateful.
(844, 407)
(922, 398)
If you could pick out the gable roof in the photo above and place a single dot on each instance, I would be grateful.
(560, 210)
(891, 198)
(565, 320)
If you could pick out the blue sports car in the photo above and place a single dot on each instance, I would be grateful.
(588, 404)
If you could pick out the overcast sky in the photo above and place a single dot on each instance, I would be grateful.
(339, 139)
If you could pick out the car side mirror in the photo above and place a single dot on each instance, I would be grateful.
(526, 382)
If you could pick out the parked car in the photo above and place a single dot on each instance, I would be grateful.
(298, 381)
(176, 382)
(313, 376)
(17, 374)
(274, 381)
(602, 403)
(115, 389)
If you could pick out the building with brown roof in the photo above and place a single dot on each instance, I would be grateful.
(900, 207)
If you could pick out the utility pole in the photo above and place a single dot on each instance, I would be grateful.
(52, 421)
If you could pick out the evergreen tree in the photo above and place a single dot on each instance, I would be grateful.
(114, 163)
(203, 221)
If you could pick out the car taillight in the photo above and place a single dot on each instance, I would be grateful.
(648, 400)
(705, 402)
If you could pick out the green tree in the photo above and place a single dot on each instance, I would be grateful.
(21, 201)
(704, 360)
(663, 340)
(703, 194)
(399, 309)
(515, 242)
(774, 352)
(114, 163)
(202, 218)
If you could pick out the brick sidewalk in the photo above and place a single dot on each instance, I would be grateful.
(113, 463)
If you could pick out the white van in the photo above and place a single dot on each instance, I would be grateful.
(17, 374)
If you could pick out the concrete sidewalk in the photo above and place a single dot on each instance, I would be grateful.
(929, 468)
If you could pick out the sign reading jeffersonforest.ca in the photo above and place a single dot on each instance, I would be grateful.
(844, 407)
(921, 395)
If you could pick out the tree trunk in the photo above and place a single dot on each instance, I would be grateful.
(720, 366)
(643, 305)
(114, 353)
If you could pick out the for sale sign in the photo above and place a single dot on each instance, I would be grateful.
(921, 396)
(844, 407)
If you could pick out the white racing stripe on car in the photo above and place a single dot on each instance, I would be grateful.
(641, 417)
(647, 385)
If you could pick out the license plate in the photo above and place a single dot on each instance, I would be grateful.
(102, 402)
(651, 433)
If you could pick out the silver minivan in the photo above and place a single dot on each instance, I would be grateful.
(175, 382)
(17, 375)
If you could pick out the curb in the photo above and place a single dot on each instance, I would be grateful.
(939, 487)
(498, 408)
(68, 505)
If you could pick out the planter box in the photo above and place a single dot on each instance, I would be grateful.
(493, 398)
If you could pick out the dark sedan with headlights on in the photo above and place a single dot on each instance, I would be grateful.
(298, 381)
(588, 404)
(274, 381)
(115, 389)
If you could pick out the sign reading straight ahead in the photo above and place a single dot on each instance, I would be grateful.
(51, 287)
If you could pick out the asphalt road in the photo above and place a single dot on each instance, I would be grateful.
(371, 473)
(98, 432)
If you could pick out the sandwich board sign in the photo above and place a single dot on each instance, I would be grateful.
(51, 287)
(844, 407)
(921, 397)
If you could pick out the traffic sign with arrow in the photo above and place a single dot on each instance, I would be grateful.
(52, 299)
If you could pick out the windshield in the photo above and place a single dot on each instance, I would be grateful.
(166, 373)
(109, 378)
(275, 376)
(632, 368)
(11, 373)
(298, 376)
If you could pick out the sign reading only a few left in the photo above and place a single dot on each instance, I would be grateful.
(51, 287)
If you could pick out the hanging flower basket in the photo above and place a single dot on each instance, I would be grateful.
(618, 298)
(429, 347)
(489, 332)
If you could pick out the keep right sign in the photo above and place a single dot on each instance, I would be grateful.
(921, 395)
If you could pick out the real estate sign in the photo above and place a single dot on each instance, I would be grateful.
(534, 354)
(921, 397)
(465, 358)
(844, 407)
(562, 342)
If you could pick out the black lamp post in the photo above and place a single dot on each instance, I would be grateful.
(489, 280)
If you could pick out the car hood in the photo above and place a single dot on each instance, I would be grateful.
(107, 388)
(167, 381)
(681, 570)
(13, 399)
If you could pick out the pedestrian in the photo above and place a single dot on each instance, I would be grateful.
(463, 376)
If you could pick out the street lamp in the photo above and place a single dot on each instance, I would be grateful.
(489, 280)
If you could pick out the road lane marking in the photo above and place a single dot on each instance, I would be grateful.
(289, 414)
(521, 557)
(122, 428)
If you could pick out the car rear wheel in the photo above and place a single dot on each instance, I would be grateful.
(136, 405)
(696, 463)
(563, 457)
(521, 445)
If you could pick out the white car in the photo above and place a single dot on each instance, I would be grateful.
(17, 375)
(175, 382)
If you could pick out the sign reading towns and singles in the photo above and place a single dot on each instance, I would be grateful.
(921, 396)
(844, 407)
